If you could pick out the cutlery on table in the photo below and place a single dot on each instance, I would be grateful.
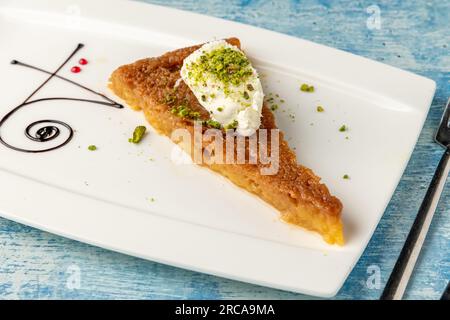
(446, 293)
(404, 267)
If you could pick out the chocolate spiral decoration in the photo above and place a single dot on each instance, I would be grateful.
(47, 130)
(46, 133)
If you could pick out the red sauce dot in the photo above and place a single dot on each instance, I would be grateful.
(75, 69)
(83, 61)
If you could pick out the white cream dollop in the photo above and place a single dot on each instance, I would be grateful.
(229, 104)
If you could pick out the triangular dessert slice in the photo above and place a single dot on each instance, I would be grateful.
(153, 85)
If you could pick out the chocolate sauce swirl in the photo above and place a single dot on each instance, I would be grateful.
(46, 130)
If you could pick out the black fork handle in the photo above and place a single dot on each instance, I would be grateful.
(446, 293)
(404, 267)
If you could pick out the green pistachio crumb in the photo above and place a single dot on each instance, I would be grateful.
(320, 109)
(212, 123)
(232, 125)
(281, 100)
(343, 128)
(231, 67)
(246, 96)
(274, 107)
(138, 134)
(92, 147)
(346, 177)
(183, 111)
(203, 98)
(220, 109)
(169, 99)
(250, 87)
(306, 88)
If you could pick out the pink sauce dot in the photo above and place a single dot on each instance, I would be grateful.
(75, 69)
(83, 62)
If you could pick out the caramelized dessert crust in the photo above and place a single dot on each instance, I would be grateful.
(295, 191)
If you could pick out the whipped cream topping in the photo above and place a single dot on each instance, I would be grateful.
(225, 83)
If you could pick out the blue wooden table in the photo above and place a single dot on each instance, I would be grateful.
(413, 35)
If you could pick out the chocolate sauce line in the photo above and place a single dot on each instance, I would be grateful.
(51, 131)
(22, 64)
(78, 48)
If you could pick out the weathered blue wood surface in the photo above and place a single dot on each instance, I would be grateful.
(414, 35)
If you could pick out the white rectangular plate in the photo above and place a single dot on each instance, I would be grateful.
(198, 220)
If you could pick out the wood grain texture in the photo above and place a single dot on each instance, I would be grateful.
(414, 35)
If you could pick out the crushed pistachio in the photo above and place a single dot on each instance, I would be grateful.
(212, 123)
(183, 111)
(320, 109)
(138, 134)
(250, 87)
(169, 98)
(245, 95)
(306, 88)
(343, 128)
(232, 125)
(227, 65)
(274, 100)
(92, 147)
(203, 98)
(346, 177)
(220, 109)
